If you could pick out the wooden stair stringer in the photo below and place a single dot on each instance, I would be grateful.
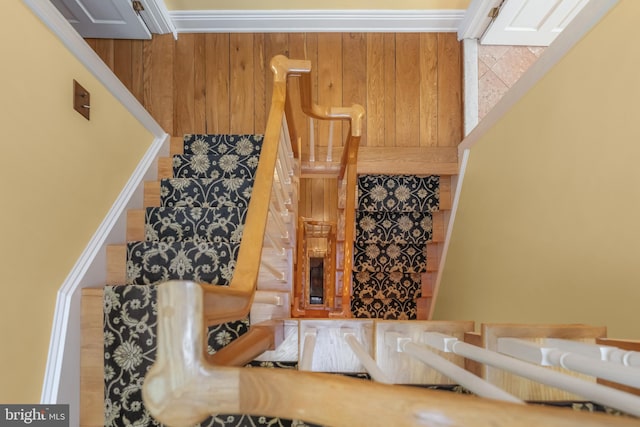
(91, 358)
(435, 249)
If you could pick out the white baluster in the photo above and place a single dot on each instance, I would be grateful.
(280, 225)
(330, 145)
(312, 144)
(602, 352)
(274, 242)
(308, 348)
(461, 376)
(598, 393)
(277, 273)
(367, 361)
(551, 356)
(267, 298)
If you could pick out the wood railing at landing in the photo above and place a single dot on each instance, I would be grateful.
(347, 175)
(182, 388)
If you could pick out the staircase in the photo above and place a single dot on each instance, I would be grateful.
(190, 229)
(394, 244)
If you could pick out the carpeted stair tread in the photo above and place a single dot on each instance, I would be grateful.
(409, 258)
(150, 263)
(386, 285)
(384, 308)
(395, 219)
(241, 144)
(196, 224)
(214, 166)
(393, 227)
(194, 235)
(398, 193)
(206, 192)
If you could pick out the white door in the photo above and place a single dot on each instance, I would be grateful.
(114, 19)
(531, 22)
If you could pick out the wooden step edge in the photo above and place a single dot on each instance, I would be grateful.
(438, 230)
(428, 281)
(165, 167)
(176, 145)
(472, 366)
(446, 198)
(434, 251)
(423, 305)
(116, 264)
(91, 357)
(135, 225)
(151, 196)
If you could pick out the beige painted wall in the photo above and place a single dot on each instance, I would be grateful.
(327, 4)
(548, 228)
(60, 174)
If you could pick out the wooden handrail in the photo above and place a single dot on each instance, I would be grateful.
(182, 389)
(348, 170)
(261, 337)
(226, 304)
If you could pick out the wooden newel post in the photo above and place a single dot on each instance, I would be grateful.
(178, 388)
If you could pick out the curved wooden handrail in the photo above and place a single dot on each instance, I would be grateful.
(182, 389)
(226, 304)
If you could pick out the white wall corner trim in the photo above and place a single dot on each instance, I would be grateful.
(157, 17)
(476, 19)
(470, 84)
(266, 21)
(62, 372)
(457, 182)
(588, 17)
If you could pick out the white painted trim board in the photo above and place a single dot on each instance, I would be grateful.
(62, 374)
(265, 21)
(581, 24)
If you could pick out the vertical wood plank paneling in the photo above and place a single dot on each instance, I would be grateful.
(318, 210)
(331, 199)
(92, 43)
(122, 62)
(375, 104)
(428, 89)
(274, 44)
(158, 79)
(304, 206)
(199, 85)
(183, 85)
(354, 76)
(410, 84)
(407, 90)
(311, 53)
(217, 70)
(261, 68)
(104, 49)
(137, 69)
(297, 50)
(241, 83)
(390, 90)
(329, 82)
(449, 90)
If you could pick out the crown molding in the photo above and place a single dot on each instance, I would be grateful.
(268, 21)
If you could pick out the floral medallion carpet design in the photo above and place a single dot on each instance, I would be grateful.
(194, 235)
(393, 226)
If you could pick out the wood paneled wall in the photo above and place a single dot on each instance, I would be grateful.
(410, 85)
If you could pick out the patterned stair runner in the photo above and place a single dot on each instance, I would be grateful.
(194, 235)
(393, 226)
